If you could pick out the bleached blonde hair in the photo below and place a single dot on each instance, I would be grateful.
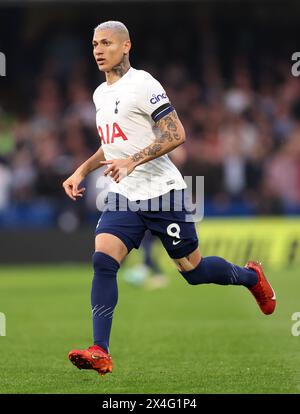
(114, 25)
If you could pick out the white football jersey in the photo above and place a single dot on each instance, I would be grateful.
(126, 112)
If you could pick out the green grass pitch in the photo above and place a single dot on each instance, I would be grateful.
(181, 339)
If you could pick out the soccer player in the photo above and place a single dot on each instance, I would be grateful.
(138, 126)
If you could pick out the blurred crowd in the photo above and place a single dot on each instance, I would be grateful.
(244, 140)
(243, 136)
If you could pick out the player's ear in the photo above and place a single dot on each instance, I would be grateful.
(127, 46)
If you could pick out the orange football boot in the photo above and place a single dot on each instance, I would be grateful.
(262, 291)
(92, 358)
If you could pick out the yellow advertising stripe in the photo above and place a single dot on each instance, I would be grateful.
(273, 241)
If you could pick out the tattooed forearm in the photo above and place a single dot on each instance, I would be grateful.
(170, 134)
(137, 157)
(163, 136)
(152, 150)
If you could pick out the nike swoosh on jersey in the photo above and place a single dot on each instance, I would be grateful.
(176, 242)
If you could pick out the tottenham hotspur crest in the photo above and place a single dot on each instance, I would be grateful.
(116, 108)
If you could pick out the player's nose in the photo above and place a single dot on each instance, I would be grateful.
(99, 55)
(98, 51)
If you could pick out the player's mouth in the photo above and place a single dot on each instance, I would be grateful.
(100, 61)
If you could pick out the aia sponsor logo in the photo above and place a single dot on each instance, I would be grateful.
(110, 133)
(157, 98)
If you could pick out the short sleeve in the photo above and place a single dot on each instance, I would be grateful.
(153, 100)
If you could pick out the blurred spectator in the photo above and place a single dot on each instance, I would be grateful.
(5, 180)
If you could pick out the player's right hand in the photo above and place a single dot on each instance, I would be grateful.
(71, 186)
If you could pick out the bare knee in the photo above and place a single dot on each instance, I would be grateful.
(111, 245)
(189, 262)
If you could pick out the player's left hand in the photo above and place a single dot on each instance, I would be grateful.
(119, 168)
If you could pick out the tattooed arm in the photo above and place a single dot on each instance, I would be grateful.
(170, 134)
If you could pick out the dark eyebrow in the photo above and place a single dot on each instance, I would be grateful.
(101, 40)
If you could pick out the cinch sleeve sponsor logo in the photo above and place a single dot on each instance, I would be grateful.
(157, 98)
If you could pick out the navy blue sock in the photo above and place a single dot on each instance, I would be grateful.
(214, 269)
(104, 297)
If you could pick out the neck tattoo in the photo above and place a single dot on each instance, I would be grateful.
(121, 68)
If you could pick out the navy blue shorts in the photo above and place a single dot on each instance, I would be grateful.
(168, 217)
